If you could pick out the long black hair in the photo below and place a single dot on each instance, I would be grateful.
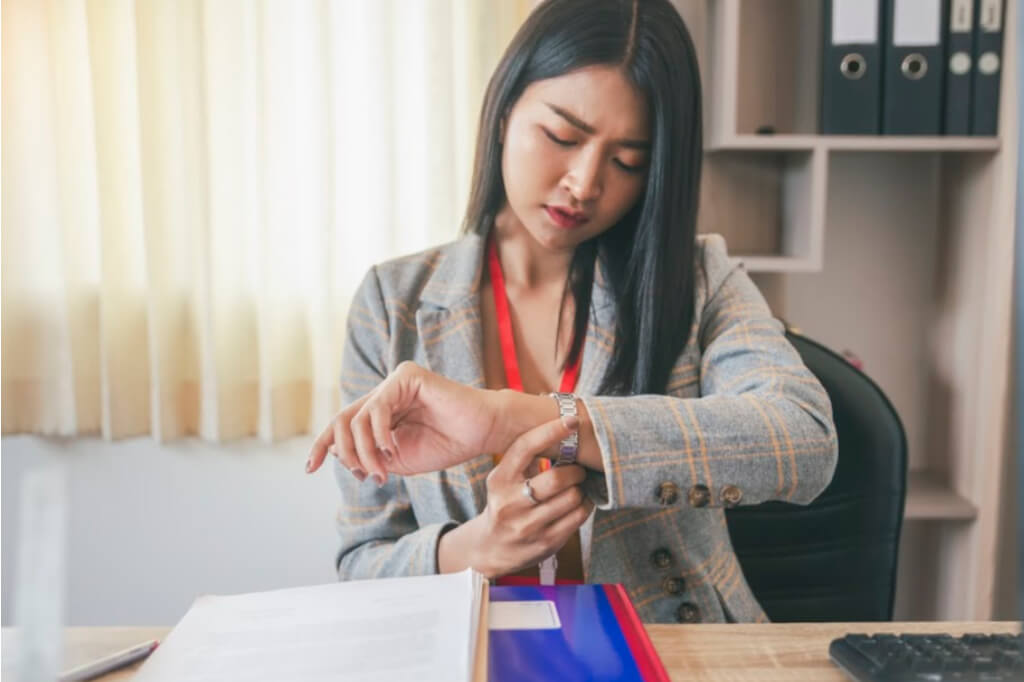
(648, 255)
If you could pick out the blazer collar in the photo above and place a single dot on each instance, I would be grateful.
(457, 275)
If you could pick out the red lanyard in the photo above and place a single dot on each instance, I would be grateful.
(508, 342)
(515, 380)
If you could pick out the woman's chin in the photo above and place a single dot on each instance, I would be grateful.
(556, 238)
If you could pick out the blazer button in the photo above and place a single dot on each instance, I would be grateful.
(688, 613)
(731, 496)
(668, 493)
(699, 496)
(673, 585)
(661, 558)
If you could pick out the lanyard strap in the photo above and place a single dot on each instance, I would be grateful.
(549, 566)
(508, 343)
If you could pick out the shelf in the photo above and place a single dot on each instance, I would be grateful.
(896, 143)
(776, 263)
(855, 143)
(754, 143)
(930, 500)
(783, 192)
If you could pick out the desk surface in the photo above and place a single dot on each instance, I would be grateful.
(777, 652)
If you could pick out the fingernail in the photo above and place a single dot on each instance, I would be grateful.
(309, 465)
(359, 474)
(572, 423)
(386, 454)
(379, 480)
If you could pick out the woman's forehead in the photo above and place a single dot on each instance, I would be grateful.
(600, 96)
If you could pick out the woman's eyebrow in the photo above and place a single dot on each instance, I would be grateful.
(589, 129)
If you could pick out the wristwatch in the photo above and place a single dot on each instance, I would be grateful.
(568, 449)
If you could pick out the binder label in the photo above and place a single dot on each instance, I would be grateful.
(916, 22)
(523, 615)
(990, 19)
(960, 19)
(854, 22)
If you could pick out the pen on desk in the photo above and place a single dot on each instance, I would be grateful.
(109, 663)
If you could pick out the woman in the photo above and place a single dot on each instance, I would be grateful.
(580, 274)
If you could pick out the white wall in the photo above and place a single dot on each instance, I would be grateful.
(153, 526)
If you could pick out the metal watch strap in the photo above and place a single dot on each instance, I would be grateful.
(570, 445)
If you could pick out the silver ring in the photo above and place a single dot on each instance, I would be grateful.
(528, 492)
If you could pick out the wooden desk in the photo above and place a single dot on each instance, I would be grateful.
(775, 652)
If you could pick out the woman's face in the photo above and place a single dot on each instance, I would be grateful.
(575, 155)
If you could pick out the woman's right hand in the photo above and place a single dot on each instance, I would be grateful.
(513, 532)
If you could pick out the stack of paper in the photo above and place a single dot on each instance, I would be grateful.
(422, 628)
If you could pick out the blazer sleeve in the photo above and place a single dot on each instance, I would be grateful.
(380, 536)
(761, 429)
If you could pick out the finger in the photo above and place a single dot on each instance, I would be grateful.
(520, 454)
(366, 446)
(558, 532)
(329, 436)
(318, 452)
(348, 462)
(550, 483)
(380, 426)
(547, 513)
(344, 446)
(393, 398)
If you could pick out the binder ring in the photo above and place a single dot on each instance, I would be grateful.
(960, 63)
(988, 63)
(853, 66)
(914, 66)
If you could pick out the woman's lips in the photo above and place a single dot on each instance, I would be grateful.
(563, 219)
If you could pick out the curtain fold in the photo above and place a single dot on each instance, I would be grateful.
(192, 189)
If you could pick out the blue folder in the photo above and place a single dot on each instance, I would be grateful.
(601, 638)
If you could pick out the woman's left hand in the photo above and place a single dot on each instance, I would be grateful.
(415, 421)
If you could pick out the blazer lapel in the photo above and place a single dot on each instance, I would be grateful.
(597, 355)
(597, 349)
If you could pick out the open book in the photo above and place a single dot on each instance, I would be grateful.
(421, 628)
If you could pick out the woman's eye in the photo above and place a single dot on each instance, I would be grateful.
(629, 169)
(559, 141)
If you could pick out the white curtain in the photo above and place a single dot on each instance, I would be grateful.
(192, 189)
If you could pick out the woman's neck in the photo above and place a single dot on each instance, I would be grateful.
(525, 264)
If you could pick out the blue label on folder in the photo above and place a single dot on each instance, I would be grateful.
(589, 646)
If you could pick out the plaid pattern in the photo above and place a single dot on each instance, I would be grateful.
(741, 410)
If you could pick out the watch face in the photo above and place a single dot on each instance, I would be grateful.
(568, 450)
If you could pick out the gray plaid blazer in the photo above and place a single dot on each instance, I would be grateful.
(742, 421)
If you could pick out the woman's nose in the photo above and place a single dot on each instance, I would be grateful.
(584, 180)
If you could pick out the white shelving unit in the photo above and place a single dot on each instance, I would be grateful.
(897, 248)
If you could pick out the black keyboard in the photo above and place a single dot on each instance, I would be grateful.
(930, 658)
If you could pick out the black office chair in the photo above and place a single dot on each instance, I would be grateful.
(834, 559)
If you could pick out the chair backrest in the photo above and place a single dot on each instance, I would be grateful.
(834, 559)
